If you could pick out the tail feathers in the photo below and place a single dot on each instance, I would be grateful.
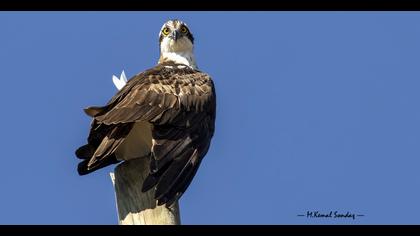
(169, 198)
(175, 193)
(170, 201)
(178, 169)
(149, 183)
(172, 181)
(153, 178)
(83, 168)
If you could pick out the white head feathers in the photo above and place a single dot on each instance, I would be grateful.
(177, 44)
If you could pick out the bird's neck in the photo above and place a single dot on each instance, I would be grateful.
(182, 57)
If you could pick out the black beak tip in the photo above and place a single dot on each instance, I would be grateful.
(175, 35)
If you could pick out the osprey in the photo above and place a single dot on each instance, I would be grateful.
(166, 113)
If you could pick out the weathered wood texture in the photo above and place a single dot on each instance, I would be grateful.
(135, 207)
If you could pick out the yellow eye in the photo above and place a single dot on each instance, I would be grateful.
(165, 31)
(184, 29)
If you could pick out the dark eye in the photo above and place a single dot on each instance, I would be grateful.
(184, 29)
(165, 31)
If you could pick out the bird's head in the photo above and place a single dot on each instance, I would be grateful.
(176, 43)
(175, 36)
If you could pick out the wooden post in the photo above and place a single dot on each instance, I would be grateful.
(135, 207)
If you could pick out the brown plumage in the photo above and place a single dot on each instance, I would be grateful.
(178, 105)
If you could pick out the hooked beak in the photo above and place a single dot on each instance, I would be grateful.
(175, 35)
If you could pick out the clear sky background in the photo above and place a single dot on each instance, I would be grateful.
(316, 111)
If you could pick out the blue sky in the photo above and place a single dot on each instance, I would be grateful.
(317, 111)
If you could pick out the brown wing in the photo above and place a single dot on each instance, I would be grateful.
(181, 105)
(103, 140)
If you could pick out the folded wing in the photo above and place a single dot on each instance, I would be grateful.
(180, 104)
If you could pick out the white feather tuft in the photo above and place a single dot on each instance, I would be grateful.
(122, 76)
(119, 83)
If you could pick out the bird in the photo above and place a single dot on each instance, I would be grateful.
(166, 113)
